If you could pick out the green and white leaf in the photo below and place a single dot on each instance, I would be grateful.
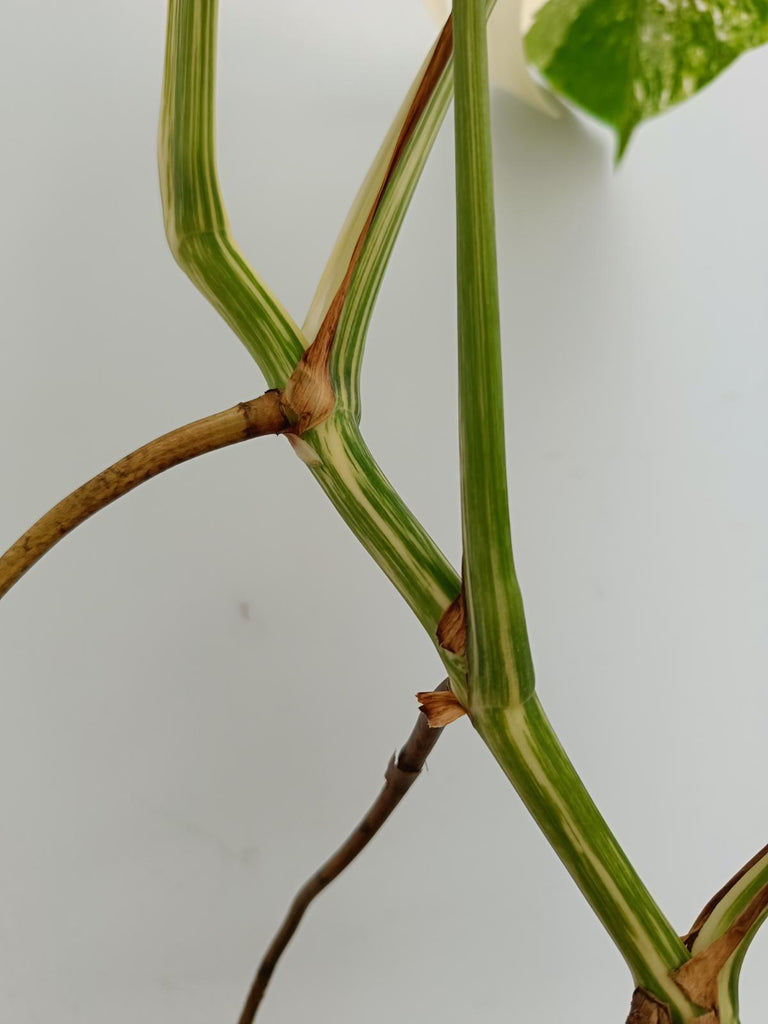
(627, 60)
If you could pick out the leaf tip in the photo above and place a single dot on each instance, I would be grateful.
(624, 133)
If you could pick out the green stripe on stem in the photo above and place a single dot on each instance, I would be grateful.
(196, 222)
(346, 470)
(500, 666)
(525, 745)
(723, 913)
(733, 902)
(503, 706)
(349, 343)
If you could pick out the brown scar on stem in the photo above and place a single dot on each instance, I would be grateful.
(452, 627)
(647, 1009)
(698, 977)
(440, 708)
(690, 938)
(309, 391)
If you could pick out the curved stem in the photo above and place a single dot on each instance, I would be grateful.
(196, 222)
(255, 418)
(402, 771)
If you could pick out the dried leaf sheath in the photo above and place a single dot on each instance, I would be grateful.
(440, 709)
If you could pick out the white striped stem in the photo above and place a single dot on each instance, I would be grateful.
(525, 745)
(722, 934)
(335, 451)
(344, 467)
(498, 653)
(387, 191)
(198, 233)
(502, 703)
(196, 222)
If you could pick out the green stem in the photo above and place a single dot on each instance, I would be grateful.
(723, 913)
(520, 737)
(498, 654)
(502, 703)
(346, 470)
(196, 221)
(388, 187)
(525, 745)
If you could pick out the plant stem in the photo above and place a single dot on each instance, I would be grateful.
(724, 929)
(504, 710)
(502, 703)
(263, 415)
(402, 771)
(196, 222)
(346, 470)
(498, 654)
(525, 745)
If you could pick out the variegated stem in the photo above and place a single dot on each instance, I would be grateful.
(198, 234)
(346, 470)
(409, 155)
(525, 745)
(502, 703)
(521, 739)
(498, 653)
(344, 467)
(196, 222)
(369, 233)
(721, 935)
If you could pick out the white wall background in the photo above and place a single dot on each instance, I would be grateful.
(196, 701)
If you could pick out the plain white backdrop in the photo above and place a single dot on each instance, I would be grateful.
(201, 687)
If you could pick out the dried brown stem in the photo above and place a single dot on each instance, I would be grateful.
(646, 1009)
(263, 415)
(402, 771)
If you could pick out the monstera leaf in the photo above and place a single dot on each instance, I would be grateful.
(626, 60)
